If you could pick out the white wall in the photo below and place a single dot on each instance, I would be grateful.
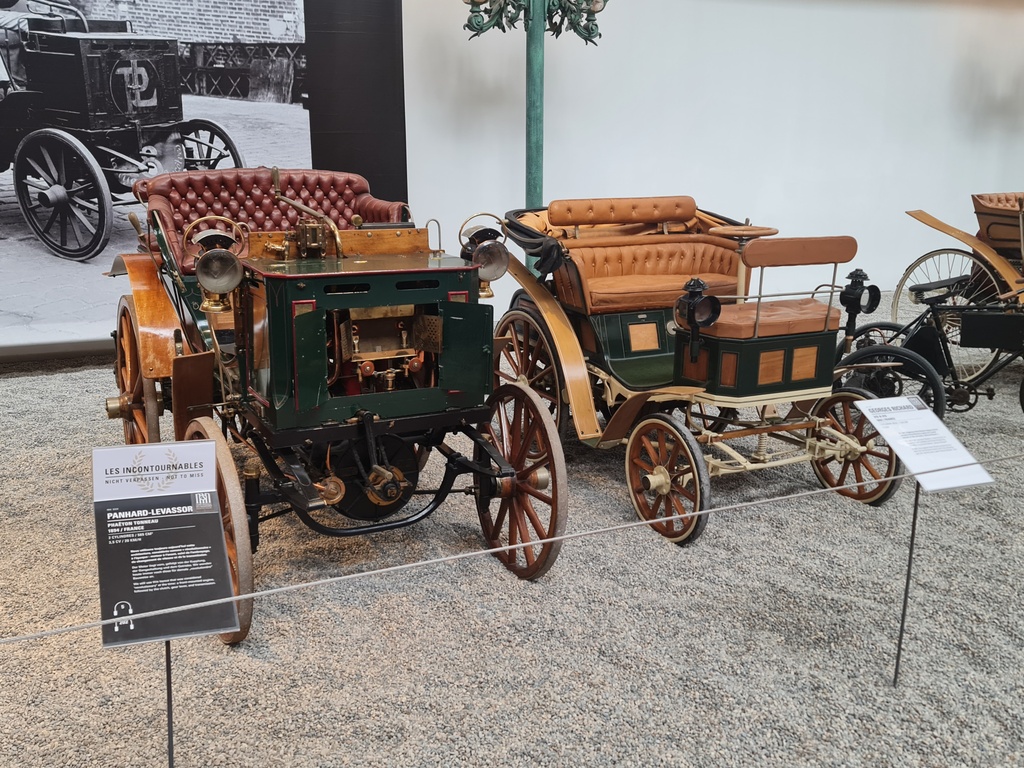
(818, 117)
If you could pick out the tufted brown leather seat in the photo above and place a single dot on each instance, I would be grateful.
(634, 254)
(246, 195)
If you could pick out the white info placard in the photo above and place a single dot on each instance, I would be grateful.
(924, 443)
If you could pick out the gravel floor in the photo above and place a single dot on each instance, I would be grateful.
(771, 641)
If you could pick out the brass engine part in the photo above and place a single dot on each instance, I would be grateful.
(332, 490)
(385, 486)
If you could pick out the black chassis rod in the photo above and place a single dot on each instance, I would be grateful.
(295, 487)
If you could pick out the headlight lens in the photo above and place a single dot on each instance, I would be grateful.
(492, 258)
(218, 271)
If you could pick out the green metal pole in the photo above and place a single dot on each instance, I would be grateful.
(535, 105)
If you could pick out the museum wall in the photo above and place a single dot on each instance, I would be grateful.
(815, 116)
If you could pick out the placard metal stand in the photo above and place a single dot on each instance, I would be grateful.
(906, 588)
(932, 454)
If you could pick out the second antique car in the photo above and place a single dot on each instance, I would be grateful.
(637, 326)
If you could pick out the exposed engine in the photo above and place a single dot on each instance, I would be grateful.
(381, 349)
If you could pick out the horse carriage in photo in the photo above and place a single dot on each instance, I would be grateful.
(636, 325)
(87, 107)
(293, 314)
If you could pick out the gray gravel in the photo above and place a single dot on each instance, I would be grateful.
(771, 641)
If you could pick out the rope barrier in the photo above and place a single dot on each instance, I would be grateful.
(479, 553)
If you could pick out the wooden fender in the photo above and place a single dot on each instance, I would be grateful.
(570, 354)
(155, 315)
(1003, 267)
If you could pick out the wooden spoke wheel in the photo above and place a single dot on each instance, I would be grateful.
(982, 287)
(63, 194)
(532, 506)
(235, 521)
(137, 403)
(875, 467)
(668, 478)
(206, 145)
(524, 354)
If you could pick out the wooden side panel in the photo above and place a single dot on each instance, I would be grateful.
(696, 371)
(770, 367)
(643, 337)
(192, 382)
(805, 363)
(729, 364)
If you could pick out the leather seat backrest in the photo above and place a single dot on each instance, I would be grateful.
(621, 210)
(799, 251)
(247, 195)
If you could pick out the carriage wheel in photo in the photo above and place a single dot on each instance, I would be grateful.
(63, 194)
(207, 145)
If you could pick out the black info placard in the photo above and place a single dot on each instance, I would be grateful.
(161, 550)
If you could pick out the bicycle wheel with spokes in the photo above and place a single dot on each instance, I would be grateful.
(983, 286)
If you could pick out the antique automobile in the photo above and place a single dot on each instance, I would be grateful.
(636, 326)
(87, 107)
(291, 314)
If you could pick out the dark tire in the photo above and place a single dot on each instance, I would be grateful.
(235, 521)
(876, 467)
(63, 194)
(667, 476)
(533, 506)
(889, 371)
(206, 145)
(879, 332)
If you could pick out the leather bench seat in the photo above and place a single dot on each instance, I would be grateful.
(633, 254)
(644, 272)
(247, 196)
(780, 317)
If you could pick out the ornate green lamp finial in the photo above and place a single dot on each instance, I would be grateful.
(578, 15)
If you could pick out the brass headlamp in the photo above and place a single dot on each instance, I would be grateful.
(482, 246)
(218, 270)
